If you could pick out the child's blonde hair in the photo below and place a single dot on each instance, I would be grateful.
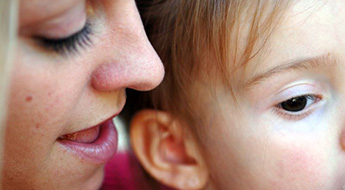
(186, 33)
(8, 32)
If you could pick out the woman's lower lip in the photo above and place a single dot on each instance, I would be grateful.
(101, 150)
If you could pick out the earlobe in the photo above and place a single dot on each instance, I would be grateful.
(167, 151)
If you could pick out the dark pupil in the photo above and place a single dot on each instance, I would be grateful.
(294, 104)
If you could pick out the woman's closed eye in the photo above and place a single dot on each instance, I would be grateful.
(297, 107)
(69, 44)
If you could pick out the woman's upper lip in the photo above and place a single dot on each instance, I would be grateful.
(89, 127)
(100, 150)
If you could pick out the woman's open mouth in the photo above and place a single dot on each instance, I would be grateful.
(96, 144)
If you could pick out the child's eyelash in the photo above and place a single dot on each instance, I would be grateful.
(292, 117)
(300, 113)
(70, 44)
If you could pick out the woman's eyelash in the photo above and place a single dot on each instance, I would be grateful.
(70, 44)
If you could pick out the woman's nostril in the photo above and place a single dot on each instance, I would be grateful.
(342, 140)
(108, 77)
(114, 76)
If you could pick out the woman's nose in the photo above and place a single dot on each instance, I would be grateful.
(138, 68)
(129, 59)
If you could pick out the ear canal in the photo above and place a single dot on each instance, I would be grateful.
(174, 151)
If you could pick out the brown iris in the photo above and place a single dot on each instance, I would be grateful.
(295, 104)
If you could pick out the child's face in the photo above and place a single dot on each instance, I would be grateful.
(286, 129)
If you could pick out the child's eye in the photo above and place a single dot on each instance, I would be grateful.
(69, 44)
(298, 107)
(298, 103)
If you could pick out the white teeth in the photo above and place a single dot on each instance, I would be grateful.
(85, 136)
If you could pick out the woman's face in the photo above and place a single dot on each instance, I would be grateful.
(73, 61)
(286, 128)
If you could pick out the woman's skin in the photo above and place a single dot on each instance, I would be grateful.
(60, 87)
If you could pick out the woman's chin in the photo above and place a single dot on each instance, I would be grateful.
(95, 181)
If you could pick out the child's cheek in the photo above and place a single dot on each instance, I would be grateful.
(299, 167)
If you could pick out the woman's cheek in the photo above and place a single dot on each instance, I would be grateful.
(38, 102)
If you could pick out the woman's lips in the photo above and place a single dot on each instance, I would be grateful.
(97, 144)
(86, 136)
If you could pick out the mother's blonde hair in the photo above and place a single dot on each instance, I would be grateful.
(8, 31)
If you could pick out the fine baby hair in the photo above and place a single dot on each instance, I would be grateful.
(252, 97)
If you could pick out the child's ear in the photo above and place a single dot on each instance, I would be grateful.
(166, 151)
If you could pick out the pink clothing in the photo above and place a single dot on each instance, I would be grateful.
(123, 172)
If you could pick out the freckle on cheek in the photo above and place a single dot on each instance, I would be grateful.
(28, 98)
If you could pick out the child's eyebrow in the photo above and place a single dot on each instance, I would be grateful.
(299, 64)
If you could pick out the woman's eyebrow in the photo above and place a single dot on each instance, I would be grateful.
(297, 64)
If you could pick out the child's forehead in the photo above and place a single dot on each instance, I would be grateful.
(306, 32)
